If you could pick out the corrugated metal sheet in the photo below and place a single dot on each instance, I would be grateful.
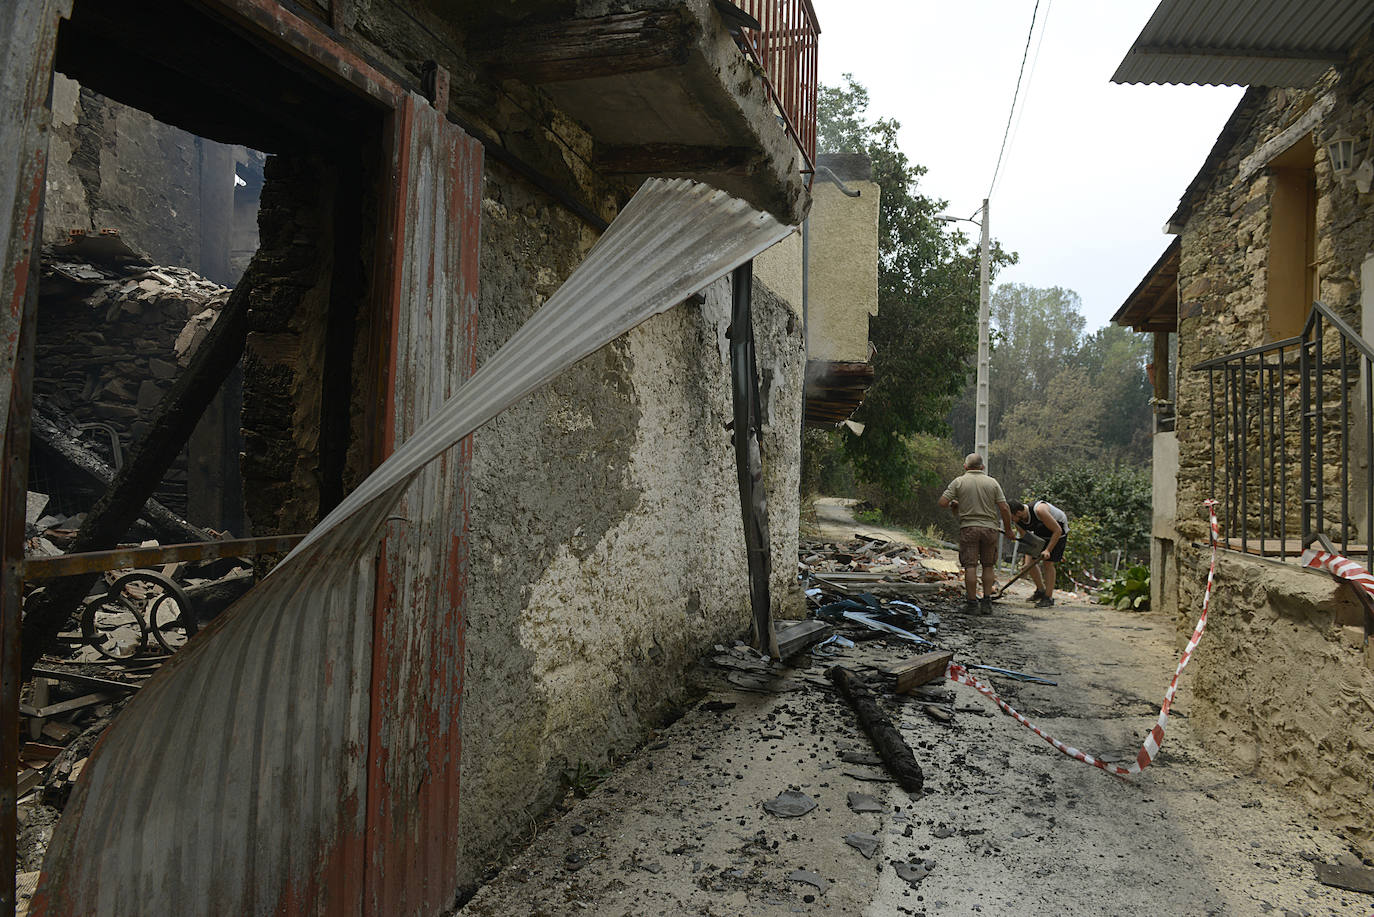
(231, 780)
(417, 654)
(1244, 42)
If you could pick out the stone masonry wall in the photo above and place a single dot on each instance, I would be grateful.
(607, 547)
(1282, 683)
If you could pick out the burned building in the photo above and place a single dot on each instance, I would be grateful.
(433, 173)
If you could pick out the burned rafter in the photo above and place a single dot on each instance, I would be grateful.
(673, 158)
(579, 49)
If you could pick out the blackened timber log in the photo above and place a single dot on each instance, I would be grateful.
(85, 464)
(674, 158)
(149, 459)
(892, 748)
(577, 49)
(744, 380)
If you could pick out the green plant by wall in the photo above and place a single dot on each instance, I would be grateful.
(1130, 591)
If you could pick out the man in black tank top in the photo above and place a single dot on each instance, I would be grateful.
(1052, 524)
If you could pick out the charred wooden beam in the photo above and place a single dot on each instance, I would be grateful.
(149, 460)
(663, 158)
(579, 49)
(744, 384)
(892, 748)
(81, 463)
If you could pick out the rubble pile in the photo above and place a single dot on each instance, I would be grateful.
(127, 627)
(113, 331)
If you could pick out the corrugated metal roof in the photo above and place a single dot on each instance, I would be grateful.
(1244, 42)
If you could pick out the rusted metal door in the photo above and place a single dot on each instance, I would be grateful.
(417, 661)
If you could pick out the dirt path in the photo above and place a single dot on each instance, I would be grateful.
(1007, 825)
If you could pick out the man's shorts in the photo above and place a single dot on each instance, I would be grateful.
(978, 545)
(1058, 553)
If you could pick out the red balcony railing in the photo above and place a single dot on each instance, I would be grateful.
(785, 48)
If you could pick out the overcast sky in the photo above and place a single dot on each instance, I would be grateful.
(1092, 169)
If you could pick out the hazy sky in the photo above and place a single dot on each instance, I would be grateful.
(1092, 169)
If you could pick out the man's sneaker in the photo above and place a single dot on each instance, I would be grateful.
(985, 606)
(970, 606)
(1044, 602)
(1037, 595)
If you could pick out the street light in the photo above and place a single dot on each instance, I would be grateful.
(981, 416)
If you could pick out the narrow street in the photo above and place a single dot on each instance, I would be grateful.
(1006, 825)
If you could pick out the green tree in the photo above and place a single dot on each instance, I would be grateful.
(1114, 358)
(925, 333)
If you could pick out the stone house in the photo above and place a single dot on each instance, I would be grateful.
(484, 147)
(1261, 309)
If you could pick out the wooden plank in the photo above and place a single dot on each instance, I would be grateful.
(27, 780)
(915, 672)
(36, 568)
(577, 49)
(76, 703)
(85, 681)
(794, 638)
(1353, 878)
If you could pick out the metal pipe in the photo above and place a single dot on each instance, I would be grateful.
(1243, 454)
(1345, 453)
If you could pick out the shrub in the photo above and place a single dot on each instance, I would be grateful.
(1130, 591)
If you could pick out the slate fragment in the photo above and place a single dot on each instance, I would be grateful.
(866, 844)
(914, 872)
(810, 878)
(862, 802)
(789, 804)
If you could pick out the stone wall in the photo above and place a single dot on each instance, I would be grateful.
(115, 167)
(607, 546)
(1282, 683)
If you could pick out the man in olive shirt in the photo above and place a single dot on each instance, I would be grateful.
(977, 500)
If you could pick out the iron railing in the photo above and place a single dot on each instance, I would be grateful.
(1310, 394)
(784, 47)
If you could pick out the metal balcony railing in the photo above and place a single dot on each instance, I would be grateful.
(784, 47)
(1292, 440)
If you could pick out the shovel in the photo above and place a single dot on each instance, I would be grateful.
(1031, 544)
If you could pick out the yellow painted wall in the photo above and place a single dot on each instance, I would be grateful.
(844, 271)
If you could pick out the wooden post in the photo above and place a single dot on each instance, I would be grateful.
(749, 459)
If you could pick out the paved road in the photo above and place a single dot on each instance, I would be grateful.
(1006, 825)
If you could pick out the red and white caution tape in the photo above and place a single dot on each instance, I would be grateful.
(1155, 738)
(1343, 567)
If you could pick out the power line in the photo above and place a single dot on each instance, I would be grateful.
(1030, 77)
(1006, 133)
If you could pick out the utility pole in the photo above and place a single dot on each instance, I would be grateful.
(981, 416)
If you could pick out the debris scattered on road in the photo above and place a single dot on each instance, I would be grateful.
(1010, 673)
